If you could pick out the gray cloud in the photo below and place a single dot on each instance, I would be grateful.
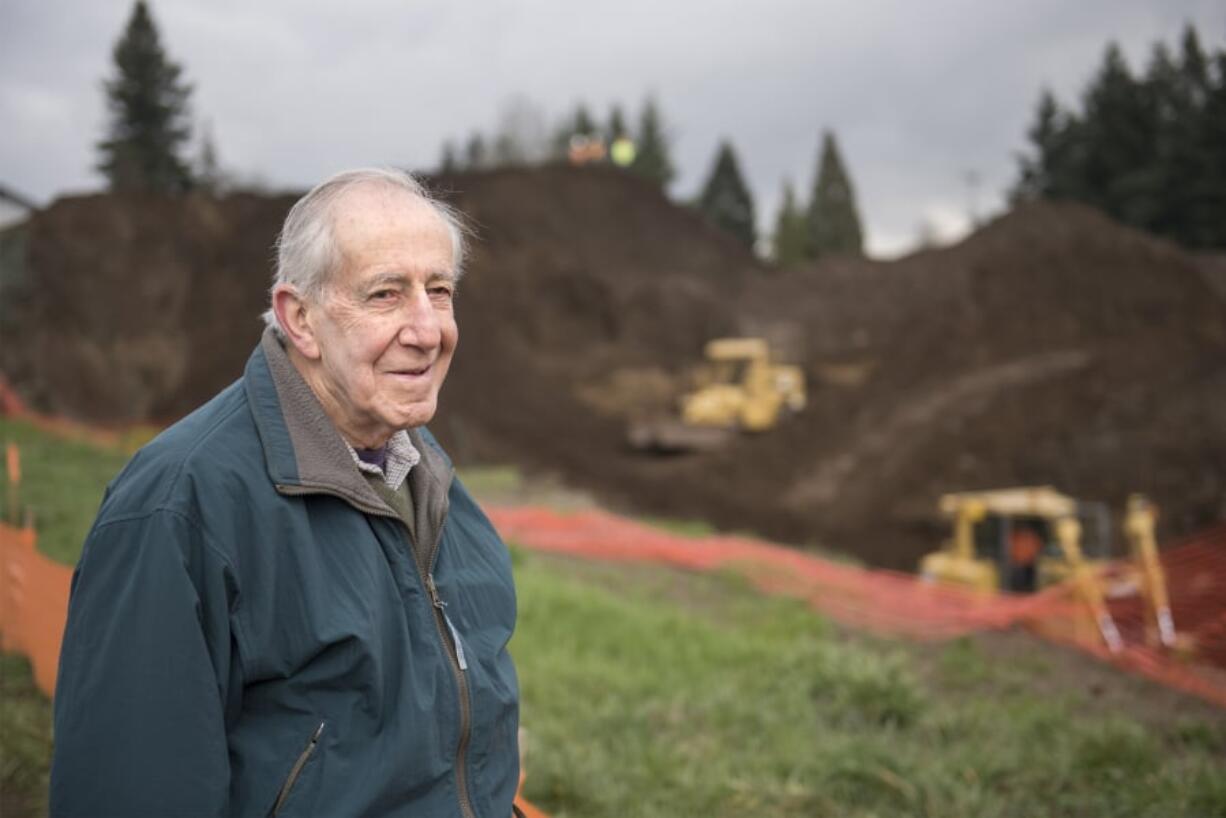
(919, 94)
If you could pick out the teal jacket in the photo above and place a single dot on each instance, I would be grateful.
(250, 633)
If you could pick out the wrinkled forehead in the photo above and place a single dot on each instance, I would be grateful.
(376, 209)
(376, 218)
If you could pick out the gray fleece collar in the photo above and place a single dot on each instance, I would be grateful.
(323, 461)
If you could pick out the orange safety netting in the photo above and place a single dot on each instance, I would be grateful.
(882, 601)
(33, 603)
(126, 438)
(899, 604)
(1196, 580)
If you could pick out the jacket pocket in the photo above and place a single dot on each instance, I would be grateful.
(288, 785)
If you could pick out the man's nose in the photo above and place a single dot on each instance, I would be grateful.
(420, 323)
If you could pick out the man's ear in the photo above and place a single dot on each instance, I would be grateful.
(294, 314)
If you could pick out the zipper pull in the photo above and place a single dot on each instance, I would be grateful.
(435, 599)
(442, 607)
(459, 646)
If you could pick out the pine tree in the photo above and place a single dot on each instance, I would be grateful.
(209, 176)
(617, 125)
(834, 222)
(476, 157)
(1150, 151)
(1118, 139)
(449, 162)
(725, 199)
(1051, 172)
(579, 123)
(522, 136)
(583, 124)
(1211, 219)
(652, 160)
(1190, 150)
(148, 105)
(791, 239)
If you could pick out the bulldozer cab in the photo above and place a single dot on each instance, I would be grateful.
(1015, 545)
(730, 360)
(737, 390)
(1008, 539)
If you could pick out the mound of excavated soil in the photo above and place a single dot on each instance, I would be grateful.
(1053, 346)
(127, 308)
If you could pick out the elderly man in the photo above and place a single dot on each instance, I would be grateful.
(288, 605)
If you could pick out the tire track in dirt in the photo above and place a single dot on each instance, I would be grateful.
(881, 440)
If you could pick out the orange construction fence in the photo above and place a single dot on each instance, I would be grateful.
(34, 594)
(33, 603)
(892, 603)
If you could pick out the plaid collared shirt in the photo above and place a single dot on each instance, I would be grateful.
(402, 456)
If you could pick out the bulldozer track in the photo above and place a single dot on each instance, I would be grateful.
(879, 441)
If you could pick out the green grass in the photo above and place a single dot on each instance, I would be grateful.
(25, 740)
(62, 484)
(650, 702)
(682, 528)
(488, 480)
(648, 692)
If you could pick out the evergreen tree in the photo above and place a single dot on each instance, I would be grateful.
(652, 160)
(449, 163)
(149, 119)
(580, 123)
(522, 136)
(617, 125)
(791, 239)
(1150, 151)
(1119, 138)
(1174, 163)
(1211, 213)
(1051, 172)
(209, 176)
(505, 153)
(1193, 151)
(725, 199)
(583, 124)
(476, 156)
(834, 222)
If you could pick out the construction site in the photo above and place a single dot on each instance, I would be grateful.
(1022, 430)
(1050, 347)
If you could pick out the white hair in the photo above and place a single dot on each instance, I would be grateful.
(307, 251)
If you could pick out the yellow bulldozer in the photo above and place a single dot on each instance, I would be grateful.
(740, 388)
(1024, 539)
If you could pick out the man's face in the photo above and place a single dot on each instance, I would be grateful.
(384, 323)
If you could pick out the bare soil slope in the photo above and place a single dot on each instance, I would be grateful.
(1053, 346)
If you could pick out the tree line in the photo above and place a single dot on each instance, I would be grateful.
(522, 139)
(1148, 149)
(149, 129)
(829, 224)
(149, 126)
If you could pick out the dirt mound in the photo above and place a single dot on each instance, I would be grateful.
(127, 308)
(1053, 346)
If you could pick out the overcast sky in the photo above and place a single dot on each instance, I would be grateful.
(920, 94)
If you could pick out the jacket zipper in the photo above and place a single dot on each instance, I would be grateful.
(296, 770)
(442, 623)
(455, 652)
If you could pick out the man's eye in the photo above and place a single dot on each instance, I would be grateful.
(441, 291)
(382, 295)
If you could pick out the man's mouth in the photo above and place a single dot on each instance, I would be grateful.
(412, 373)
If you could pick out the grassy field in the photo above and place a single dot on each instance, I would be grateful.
(652, 693)
(649, 692)
(62, 484)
